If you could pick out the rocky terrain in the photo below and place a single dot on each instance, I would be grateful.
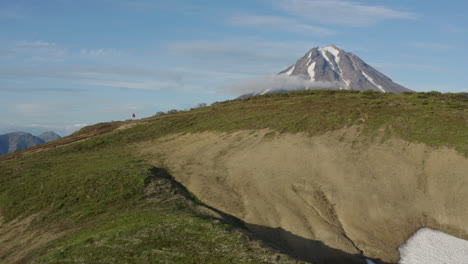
(332, 68)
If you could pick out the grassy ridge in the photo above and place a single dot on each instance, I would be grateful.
(98, 187)
(432, 118)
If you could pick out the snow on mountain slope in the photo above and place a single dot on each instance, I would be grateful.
(372, 81)
(332, 68)
(329, 64)
(291, 70)
(311, 71)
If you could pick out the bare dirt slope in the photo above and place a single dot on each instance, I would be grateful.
(353, 196)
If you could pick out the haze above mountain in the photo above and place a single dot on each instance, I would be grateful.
(15, 141)
(324, 68)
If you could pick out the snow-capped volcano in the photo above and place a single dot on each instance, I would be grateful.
(330, 64)
(333, 68)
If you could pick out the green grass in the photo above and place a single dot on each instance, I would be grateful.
(432, 118)
(97, 186)
(159, 235)
(99, 191)
(75, 184)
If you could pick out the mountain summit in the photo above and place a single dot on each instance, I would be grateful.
(327, 68)
(15, 141)
(49, 136)
(331, 64)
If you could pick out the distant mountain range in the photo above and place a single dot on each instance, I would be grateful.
(12, 142)
(333, 68)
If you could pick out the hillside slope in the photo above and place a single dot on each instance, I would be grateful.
(353, 196)
(323, 176)
(87, 204)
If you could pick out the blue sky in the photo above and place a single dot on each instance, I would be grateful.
(65, 64)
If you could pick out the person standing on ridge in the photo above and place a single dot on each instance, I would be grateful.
(133, 116)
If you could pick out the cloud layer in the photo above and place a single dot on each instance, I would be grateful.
(278, 23)
(277, 82)
(342, 12)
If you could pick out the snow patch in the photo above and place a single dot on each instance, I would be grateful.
(324, 55)
(333, 51)
(291, 70)
(310, 55)
(368, 261)
(311, 71)
(264, 92)
(429, 246)
(372, 81)
(347, 83)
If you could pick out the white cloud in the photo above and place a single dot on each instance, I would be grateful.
(96, 53)
(277, 82)
(74, 127)
(431, 45)
(37, 129)
(109, 76)
(38, 51)
(278, 23)
(43, 51)
(454, 29)
(251, 56)
(42, 90)
(31, 108)
(34, 44)
(131, 107)
(342, 12)
(138, 84)
(125, 108)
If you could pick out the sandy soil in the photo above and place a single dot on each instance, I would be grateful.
(351, 195)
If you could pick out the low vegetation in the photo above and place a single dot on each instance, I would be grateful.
(432, 118)
(97, 187)
(102, 193)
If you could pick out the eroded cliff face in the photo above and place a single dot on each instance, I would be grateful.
(340, 190)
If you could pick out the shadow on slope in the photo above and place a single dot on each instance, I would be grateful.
(302, 248)
(276, 239)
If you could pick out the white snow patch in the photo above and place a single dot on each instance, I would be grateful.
(368, 261)
(429, 246)
(311, 71)
(347, 83)
(326, 57)
(291, 70)
(372, 81)
(264, 92)
(335, 52)
(310, 55)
